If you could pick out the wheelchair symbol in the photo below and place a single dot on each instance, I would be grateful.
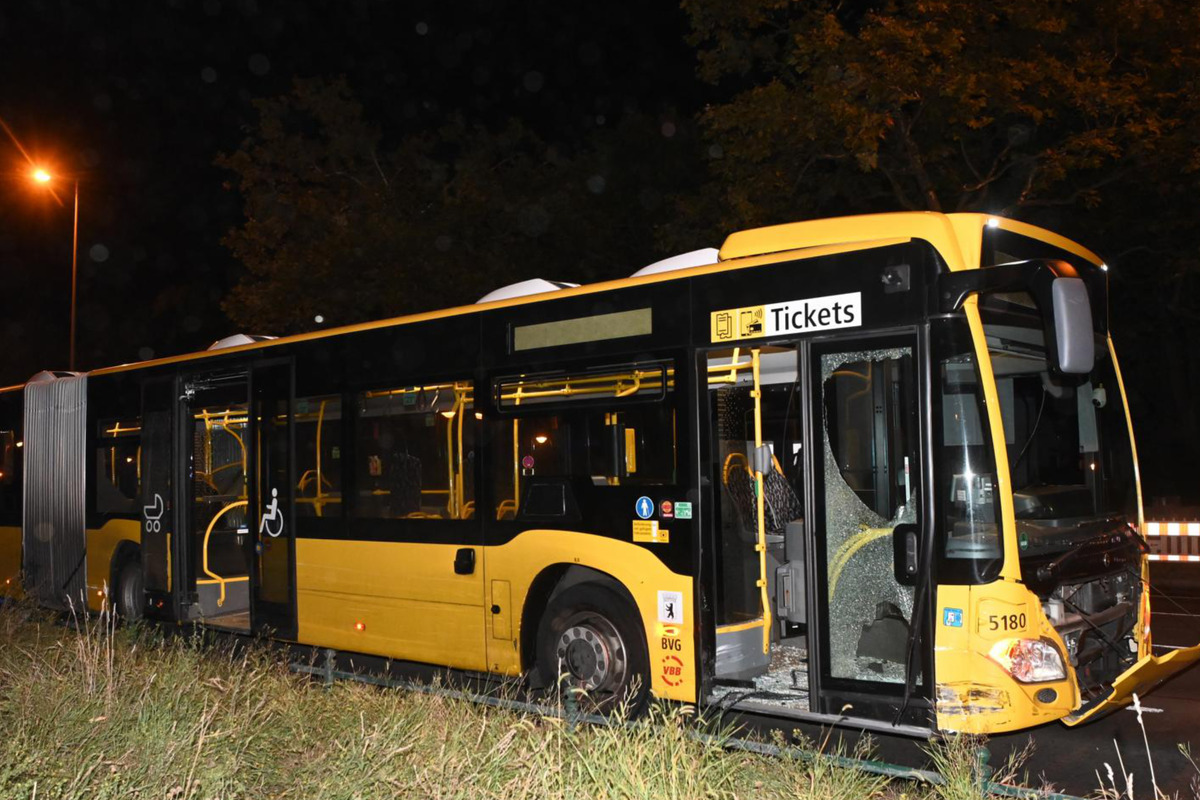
(154, 514)
(272, 520)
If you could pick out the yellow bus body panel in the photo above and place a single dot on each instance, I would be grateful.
(377, 597)
(396, 599)
(101, 545)
(974, 694)
(10, 561)
(671, 647)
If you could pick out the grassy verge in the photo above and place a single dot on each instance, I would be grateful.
(115, 713)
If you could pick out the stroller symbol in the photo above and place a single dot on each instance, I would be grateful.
(154, 514)
(272, 520)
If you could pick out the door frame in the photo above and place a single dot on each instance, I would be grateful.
(910, 702)
(189, 385)
(183, 568)
(284, 627)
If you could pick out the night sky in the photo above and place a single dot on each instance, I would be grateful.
(138, 100)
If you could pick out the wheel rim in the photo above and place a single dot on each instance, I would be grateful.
(592, 653)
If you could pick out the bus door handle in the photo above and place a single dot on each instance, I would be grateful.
(906, 554)
(464, 561)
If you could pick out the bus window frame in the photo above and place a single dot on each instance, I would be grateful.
(352, 527)
(946, 575)
(678, 398)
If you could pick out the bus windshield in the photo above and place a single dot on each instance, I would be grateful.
(1067, 437)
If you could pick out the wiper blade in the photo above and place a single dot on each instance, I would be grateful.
(1046, 571)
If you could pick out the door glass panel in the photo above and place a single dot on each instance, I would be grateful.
(869, 407)
(274, 521)
(157, 468)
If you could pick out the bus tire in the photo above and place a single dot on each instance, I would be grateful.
(130, 594)
(591, 640)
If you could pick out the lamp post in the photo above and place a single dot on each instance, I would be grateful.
(42, 176)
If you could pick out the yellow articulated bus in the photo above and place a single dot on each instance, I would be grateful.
(876, 471)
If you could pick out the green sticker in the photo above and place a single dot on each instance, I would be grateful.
(683, 510)
(1023, 541)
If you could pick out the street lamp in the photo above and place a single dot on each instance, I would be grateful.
(42, 176)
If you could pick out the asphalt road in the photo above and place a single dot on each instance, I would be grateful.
(1068, 759)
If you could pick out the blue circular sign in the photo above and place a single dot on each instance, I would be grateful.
(644, 507)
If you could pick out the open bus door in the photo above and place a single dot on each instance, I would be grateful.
(235, 473)
(821, 591)
(273, 531)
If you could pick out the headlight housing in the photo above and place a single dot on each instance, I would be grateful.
(1029, 660)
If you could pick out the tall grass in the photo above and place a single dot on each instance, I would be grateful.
(98, 711)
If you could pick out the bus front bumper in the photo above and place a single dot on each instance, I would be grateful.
(1139, 679)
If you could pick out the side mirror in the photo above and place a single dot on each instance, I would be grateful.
(1068, 326)
(1062, 298)
(906, 553)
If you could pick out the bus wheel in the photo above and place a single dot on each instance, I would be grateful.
(130, 594)
(591, 640)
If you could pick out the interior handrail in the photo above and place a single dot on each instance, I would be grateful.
(760, 506)
(212, 523)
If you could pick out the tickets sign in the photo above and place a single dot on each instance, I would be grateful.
(794, 316)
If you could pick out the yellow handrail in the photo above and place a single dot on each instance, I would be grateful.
(731, 460)
(318, 507)
(634, 388)
(761, 546)
(733, 366)
(451, 495)
(464, 405)
(570, 385)
(208, 532)
(241, 443)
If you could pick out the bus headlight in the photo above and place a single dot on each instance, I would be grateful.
(1029, 660)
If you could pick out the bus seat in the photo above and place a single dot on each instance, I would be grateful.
(780, 502)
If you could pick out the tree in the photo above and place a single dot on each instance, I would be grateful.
(344, 225)
(999, 105)
(1080, 116)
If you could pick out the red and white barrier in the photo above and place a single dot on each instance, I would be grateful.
(1173, 541)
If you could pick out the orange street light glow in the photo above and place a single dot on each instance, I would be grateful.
(41, 176)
